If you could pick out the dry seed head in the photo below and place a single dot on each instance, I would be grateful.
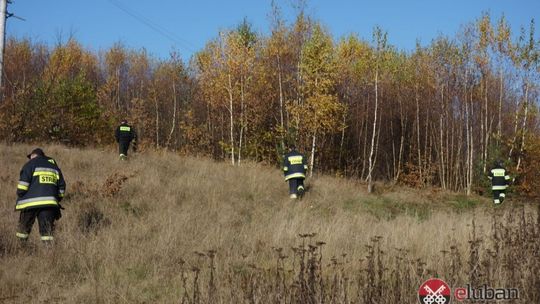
(279, 249)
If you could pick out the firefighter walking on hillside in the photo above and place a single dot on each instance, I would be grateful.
(124, 135)
(294, 168)
(499, 182)
(40, 189)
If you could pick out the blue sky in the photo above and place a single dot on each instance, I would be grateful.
(163, 25)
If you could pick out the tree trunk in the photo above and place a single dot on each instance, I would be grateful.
(312, 159)
(157, 119)
(499, 124)
(373, 134)
(487, 136)
(118, 89)
(342, 139)
(365, 127)
(403, 124)
(392, 136)
(173, 124)
(230, 89)
(428, 148)
(417, 99)
(442, 173)
(482, 128)
(282, 130)
(242, 122)
(524, 125)
(469, 113)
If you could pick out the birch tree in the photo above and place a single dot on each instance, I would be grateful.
(321, 111)
(380, 40)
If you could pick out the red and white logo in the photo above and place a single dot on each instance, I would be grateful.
(434, 291)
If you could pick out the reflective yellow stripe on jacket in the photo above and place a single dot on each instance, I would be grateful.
(22, 185)
(295, 175)
(36, 201)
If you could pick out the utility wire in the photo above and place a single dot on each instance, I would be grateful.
(154, 26)
(9, 15)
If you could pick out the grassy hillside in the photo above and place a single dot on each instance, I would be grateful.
(162, 228)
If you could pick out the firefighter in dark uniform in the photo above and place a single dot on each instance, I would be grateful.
(499, 182)
(294, 168)
(124, 134)
(40, 189)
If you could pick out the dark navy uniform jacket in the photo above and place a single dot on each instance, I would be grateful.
(41, 184)
(294, 165)
(499, 178)
(125, 133)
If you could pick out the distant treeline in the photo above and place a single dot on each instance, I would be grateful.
(435, 116)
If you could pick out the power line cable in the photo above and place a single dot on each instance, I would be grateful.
(154, 26)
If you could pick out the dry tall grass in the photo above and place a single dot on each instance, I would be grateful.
(168, 229)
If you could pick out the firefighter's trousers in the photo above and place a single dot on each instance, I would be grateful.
(296, 185)
(46, 217)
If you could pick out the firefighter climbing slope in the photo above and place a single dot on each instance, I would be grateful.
(124, 135)
(40, 189)
(499, 182)
(294, 168)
